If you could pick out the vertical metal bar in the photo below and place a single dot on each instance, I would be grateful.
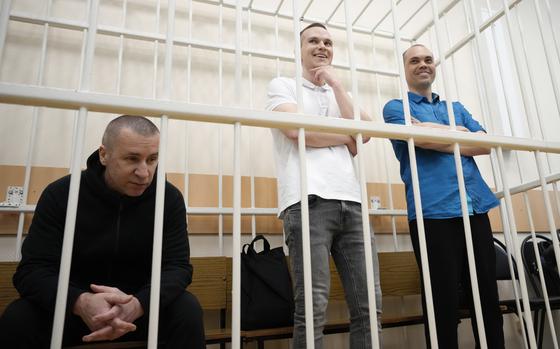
(306, 245)
(276, 44)
(220, 191)
(534, 134)
(160, 184)
(32, 137)
(385, 158)
(548, 206)
(236, 248)
(158, 236)
(461, 182)
(188, 98)
(236, 266)
(4, 21)
(540, 271)
(70, 222)
(552, 31)
(251, 164)
(485, 97)
(415, 187)
(552, 64)
(121, 44)
(363, 189)
(517, 252)
(156, 48)
(189, 51)
(220, 135)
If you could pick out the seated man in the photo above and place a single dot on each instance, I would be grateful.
(109, 291)
(443, 221)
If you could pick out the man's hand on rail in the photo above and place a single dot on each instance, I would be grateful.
(416, 122)
(466, 150)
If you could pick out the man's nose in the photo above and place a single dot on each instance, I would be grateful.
(142, 170)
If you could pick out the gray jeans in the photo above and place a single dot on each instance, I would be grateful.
(336, 229)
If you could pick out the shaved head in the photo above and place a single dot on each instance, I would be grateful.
(138, 124)
(415, 45)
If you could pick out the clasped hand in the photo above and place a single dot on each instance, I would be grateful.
(108, 312)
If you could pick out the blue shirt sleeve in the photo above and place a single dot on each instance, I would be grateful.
(393, 112)
(467, 119)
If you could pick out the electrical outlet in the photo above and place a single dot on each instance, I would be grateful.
(14, 197)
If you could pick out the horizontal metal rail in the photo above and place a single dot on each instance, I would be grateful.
(105, 103)
(209, 211)
(529, 185)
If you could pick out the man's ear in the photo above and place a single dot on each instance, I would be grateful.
(103, 155)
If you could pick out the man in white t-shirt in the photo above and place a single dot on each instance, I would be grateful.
(335, 218)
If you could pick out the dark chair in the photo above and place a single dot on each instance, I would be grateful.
(551, 277)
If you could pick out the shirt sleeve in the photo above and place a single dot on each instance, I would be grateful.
(393, 112)
(280, 91)
(468, 121)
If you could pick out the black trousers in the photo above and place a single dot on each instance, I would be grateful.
(24, 325)
(449, 273)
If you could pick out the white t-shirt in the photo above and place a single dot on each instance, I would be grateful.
(330, 170)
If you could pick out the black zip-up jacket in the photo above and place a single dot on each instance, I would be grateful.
(112, 243)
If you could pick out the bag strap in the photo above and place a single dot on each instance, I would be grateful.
(251, 246)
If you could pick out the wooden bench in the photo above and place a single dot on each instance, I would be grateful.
(212, 285)
(209, 286)
(399, 277)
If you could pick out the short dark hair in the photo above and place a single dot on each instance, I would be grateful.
(139, 124)
(312, 25)
(405, 51)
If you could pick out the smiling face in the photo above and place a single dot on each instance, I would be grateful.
(420, 69)
(316, 48)
(130, 162)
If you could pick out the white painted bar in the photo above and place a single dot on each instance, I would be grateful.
(517, 253)
(32, 139)
(4, 20)
(306, 245)
(160, 184)
(415, 185)
(367, 236)
(236, 242)
(75, 169)
(461, 183)
(99, 102)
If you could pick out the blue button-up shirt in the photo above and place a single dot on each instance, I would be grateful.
(439, 189)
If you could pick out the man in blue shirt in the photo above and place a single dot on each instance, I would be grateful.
(441, 205)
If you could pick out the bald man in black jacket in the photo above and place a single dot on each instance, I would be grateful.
(108, 295)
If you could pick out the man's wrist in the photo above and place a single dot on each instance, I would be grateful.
(78, 304)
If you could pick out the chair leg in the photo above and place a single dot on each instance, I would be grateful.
(222, 325)
(541, 329)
